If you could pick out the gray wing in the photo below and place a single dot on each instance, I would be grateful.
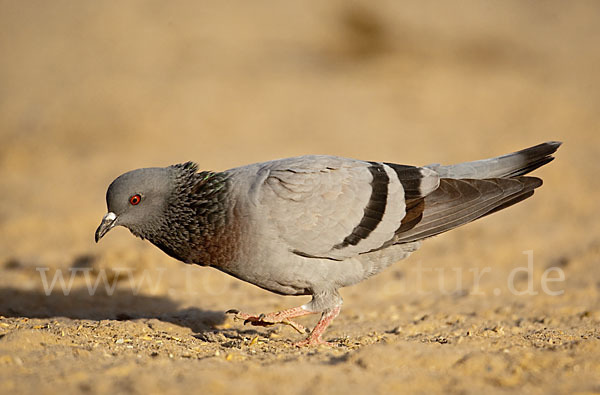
(336, 208)
(472, 190)
(460, 201)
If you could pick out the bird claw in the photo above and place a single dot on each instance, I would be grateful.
(264, 320)
(257, 321)
(299, 328)
(248, 319)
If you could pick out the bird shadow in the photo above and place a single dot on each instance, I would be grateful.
(119, 305)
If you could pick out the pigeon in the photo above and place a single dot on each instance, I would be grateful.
(310, 225)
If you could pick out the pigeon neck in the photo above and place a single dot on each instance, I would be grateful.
(196, 218)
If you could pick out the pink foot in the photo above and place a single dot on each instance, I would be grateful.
(315, 336)
(278, 317)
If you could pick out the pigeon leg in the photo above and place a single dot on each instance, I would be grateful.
(278, 317)
(315, 336)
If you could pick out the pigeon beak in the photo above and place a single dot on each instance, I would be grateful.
(108, 222)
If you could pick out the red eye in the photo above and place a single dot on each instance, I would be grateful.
(135, 199)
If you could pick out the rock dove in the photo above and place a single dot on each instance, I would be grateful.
(312, 224)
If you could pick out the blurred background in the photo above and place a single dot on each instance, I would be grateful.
(91, 89)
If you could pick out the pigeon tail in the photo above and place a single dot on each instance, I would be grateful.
(506, 166)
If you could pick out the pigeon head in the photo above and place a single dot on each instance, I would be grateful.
(138, 199)
(180, 210)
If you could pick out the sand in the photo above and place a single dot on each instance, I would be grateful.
(89, 90)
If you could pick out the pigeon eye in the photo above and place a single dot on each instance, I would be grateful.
(135, 199)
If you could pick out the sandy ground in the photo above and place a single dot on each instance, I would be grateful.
(89, 90)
